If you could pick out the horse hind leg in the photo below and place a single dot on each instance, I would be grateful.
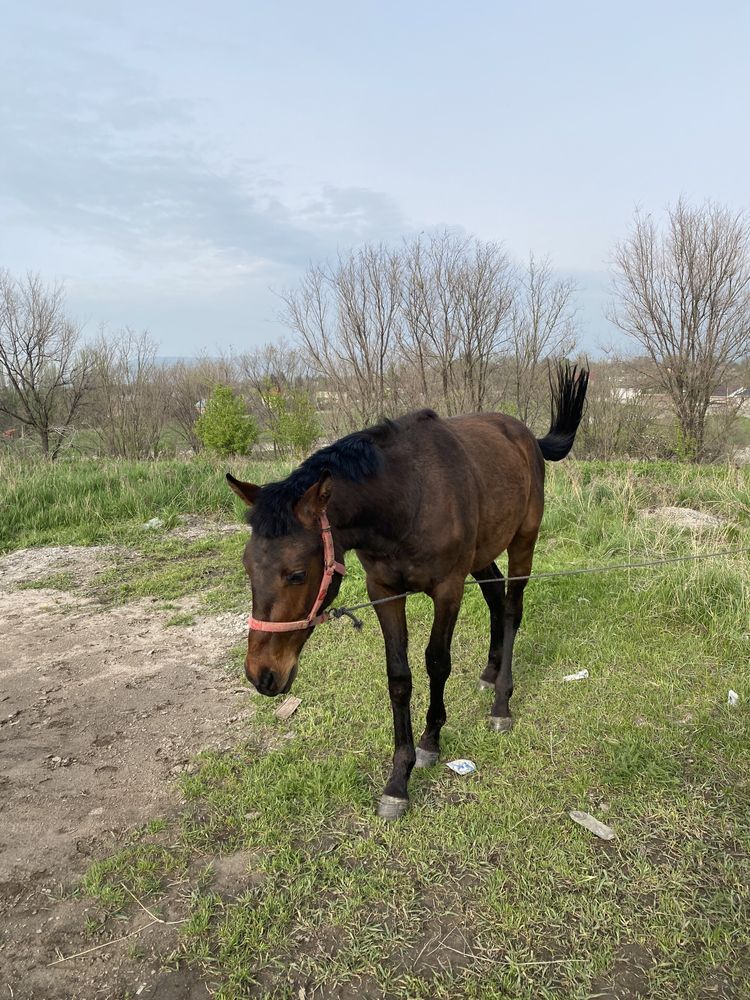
(520, 557)
(447, 600)
(492, 584)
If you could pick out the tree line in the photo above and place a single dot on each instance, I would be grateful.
(443, 320)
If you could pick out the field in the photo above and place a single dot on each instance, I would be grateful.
(155, 815)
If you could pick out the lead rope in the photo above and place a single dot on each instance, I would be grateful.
(348, 612)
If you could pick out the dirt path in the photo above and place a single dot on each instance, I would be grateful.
(99, 711)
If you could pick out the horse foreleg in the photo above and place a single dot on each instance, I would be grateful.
(447, 601)
(392, 616)
(520, 556)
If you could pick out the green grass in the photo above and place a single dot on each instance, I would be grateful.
(92, 501)
(526, 904)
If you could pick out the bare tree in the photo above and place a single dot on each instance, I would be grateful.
(267, 371)
(279, 363)
(133, 394)
(542, 327)
(427, 324)
(346, 318)
(684, 295)
(457, 296)
(46, 372)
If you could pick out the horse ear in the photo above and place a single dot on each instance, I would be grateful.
(245, 491)
(314, 502)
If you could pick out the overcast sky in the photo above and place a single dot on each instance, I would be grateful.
(174, 163)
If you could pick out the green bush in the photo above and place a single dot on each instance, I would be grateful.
(294, 423)
(225, 426)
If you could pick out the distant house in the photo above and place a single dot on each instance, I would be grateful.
(734, 396)
(625, 394)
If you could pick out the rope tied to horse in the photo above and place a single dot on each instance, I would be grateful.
(348, 612)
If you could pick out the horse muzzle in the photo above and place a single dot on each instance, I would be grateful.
(270, 682)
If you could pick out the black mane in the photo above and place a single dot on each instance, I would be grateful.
(355, 457)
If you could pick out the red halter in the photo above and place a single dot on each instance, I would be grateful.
(331, 567)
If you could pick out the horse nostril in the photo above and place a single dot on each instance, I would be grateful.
(266, 682)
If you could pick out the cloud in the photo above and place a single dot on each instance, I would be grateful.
(106, 183)
(94, 158)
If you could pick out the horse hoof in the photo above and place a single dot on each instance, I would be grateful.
(425, 758)
(389, 807)
(501, 723)
(485, 686)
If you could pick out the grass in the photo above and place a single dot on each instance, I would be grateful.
(92, 501)
(485, 889)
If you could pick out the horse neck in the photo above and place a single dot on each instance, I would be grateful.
(358, 517)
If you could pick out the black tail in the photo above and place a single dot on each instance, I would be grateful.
(568, 399)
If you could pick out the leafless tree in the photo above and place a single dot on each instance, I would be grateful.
(457, 297)
(267, 370)
(46, 371)
(133, 394)
(279, 363)
(346, 317)
(683, 294)
(542, 326)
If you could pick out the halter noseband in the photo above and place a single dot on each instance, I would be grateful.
(330, 567)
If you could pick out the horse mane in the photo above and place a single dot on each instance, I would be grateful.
(355, 457)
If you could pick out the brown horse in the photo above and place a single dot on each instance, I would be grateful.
(423, 501)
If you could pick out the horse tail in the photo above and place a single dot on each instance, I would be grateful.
(568, 400)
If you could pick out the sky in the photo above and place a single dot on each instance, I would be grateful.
(179, 164)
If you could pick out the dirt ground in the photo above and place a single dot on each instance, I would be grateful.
(100, 710)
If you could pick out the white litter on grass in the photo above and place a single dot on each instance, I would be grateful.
(733, 698)
(462, 766)
(580, 676)
(588, 822)
(155, 522)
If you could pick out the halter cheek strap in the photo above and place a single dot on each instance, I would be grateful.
(331, 566)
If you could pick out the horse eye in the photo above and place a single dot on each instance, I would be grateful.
(298, 577)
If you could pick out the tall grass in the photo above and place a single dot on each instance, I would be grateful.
(87, 501)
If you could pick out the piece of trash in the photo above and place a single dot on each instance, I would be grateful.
(155, 522)
(287, 708)
(580, 676)
(588, 822)
(733, 698)
(462, 766)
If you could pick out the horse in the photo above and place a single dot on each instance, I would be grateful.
(424, 501)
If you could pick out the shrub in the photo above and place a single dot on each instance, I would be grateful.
(225, 426)
(294, 423)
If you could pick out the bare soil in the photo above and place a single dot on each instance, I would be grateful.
(100, 711)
